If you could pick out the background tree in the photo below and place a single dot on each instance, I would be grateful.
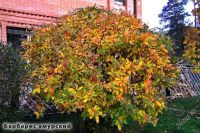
(105, 65)
(192, 41)
(196, 12)
(173, 18)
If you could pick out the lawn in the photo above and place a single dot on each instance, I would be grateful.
(181, 116)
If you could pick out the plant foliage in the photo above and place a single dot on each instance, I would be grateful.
(192, 43)
(11, 76)
(103, 64)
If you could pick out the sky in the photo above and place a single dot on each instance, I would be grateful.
(151, 9)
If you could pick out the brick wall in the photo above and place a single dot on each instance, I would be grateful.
(30, 13)
(55, 7)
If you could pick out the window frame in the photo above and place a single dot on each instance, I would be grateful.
(122, 3)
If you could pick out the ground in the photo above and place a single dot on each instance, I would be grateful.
(181, 116)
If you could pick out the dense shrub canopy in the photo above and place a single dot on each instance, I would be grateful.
(104, 64)
(12, 73)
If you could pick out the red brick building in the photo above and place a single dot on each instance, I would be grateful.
(18, 15)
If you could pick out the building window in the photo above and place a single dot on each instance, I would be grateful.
(15, 36)
(120, 2)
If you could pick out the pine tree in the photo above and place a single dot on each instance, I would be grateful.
(173, 18)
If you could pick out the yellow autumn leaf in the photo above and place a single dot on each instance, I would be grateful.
(61, 53)
(158, 103)
(53, 97)
(91, 67)
(85, 100)
(37, 114)
(97, 119)
(100, 113)
(163, 104)
(145, 43)
(96, 108)
(91, 113)
(59, 68)
(165, 50)
(140, 63)
(127, 66)
(80, 88)
(45, 90)
(36, 90)
(141, 112)
(109, 59)
(126, 32)
(72, 90)
(45, 68)
(119, 127)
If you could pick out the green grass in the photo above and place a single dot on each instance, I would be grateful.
(185, 119)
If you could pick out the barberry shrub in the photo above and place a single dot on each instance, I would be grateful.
(103, 64)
